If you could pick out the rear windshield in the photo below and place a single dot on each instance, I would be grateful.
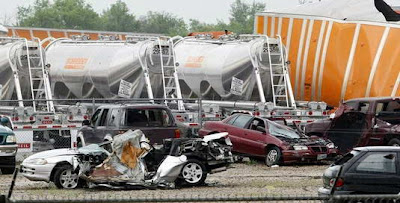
(147, 118)
(346, 157)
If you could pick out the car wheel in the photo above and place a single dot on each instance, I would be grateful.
(394, 142)
(9, 169)
(193, 173)
(273, 156)
(66, 178)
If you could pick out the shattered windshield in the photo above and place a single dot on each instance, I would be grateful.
(279, 130)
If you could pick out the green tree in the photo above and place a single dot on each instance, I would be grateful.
(163, 23)
(117, 18)
(74, 14)
(242, 16)
(197, 26)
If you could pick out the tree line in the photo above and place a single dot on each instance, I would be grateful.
(77, 14)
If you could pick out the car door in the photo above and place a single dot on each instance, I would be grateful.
(374, 173)
(237, 131)
(156, 123)
(253, 139)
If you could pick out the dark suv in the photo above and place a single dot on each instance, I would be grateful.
(365, 170)
(156, 122)
(8, 150)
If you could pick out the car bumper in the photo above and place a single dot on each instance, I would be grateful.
(8, 150)
(326, 192)
(7, 161)
(37, 172)
(306, 156)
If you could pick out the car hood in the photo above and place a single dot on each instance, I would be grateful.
(52, 153)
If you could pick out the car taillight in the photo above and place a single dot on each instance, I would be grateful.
(16, 119)
(71, 117)
(310, 113)
(339, 182)
(177, 133)
(203, 115)
(85, 117)
(324, 113)
(257, 113)
(217, 115)
(31, 118)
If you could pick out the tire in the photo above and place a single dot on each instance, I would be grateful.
(193, 173)
(64, 178)
(394, 142)
(9, 169)
(273, 156)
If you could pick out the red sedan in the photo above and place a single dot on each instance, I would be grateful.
(276, 143)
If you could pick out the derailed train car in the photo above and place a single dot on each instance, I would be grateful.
(93, 69)
(207, 67)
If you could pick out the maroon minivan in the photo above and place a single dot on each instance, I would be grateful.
(276, 143)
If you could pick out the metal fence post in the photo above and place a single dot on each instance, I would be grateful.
(12, 183)
(200, 113)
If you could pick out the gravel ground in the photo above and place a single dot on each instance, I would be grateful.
(244, 179)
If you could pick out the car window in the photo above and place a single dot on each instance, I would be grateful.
(95, 117)
(279, 130)
(257, 125)
(242, 120)
(346, 157)
(147, 118)
(114, 117)
(388, 111)
(352, 104)
(103, 118)
(377, 162)
(231, 120)
(363, 107)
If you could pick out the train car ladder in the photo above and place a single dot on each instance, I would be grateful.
(282, 92)
(13, 57)
(171, 87)
(39, 78)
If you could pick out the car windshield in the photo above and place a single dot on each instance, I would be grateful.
(346, 157)
(279, 130)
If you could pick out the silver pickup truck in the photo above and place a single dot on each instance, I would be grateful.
(8, 150)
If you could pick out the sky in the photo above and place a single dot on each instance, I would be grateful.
(208, 11)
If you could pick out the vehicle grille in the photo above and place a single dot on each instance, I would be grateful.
(319, 149)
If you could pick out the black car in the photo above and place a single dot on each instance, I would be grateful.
(364, 170)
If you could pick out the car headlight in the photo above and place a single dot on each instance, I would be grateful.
(11, 139)
(330, 145)
(300, 147)
(37, 161)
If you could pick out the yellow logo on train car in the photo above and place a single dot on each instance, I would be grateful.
(75, 63)
(194, 62)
